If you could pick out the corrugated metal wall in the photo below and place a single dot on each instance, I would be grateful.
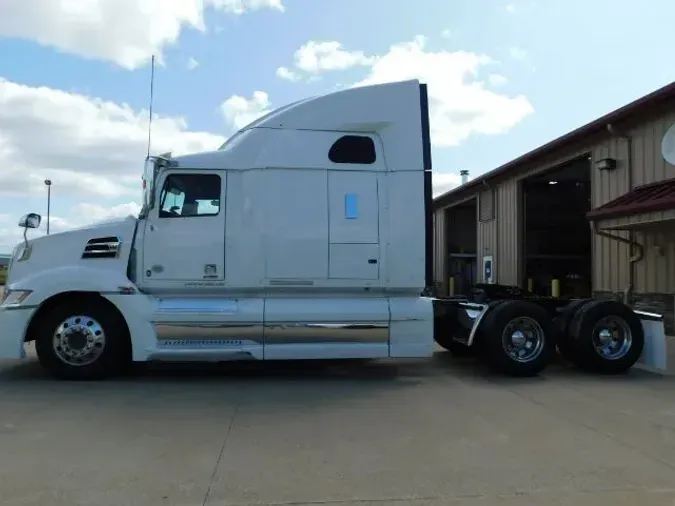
(500, 233)
(439, 247)
(461, 231)
(509, 236)
(486, 240)
(500, 225)
(502, 236)
(656, 271)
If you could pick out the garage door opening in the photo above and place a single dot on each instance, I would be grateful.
(557, 235)
(461, 247)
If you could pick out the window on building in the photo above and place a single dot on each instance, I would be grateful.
(486, 203)
(355, 149)
(190, 195)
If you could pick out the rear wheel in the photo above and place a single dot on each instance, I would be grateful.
(82, 339)
(607, 336)
(517, 338)
(564, 342)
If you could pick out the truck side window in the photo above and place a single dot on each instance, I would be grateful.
(354, 149)
(190, 195)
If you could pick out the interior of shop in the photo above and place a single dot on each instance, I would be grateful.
(461, 247)
(557, 236)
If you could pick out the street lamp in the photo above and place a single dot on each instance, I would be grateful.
(48, 183)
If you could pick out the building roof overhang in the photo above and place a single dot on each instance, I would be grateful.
(644, 205)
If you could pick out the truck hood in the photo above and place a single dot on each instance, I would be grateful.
(66, 249)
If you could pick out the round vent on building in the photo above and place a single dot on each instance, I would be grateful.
(668, 145)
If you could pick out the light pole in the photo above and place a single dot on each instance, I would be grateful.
(48, 183)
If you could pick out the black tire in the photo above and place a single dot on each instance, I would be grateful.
(564, 342)
(455, 348)
(498, 322)
(583, 333)
(112, 355)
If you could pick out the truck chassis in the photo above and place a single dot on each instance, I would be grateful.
(514, 332)
(518, 334)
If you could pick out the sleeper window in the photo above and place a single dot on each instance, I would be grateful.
(190, 195)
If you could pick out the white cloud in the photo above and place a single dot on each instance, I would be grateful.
(497, 80)
(442, 182)
(447, 34)
(511, 8)
(86, 146)
(521, 55)
(518, 53)
(126, 32)
(460, 104)
(315, 57)
(240, 111)
(242, 6)
(192, 64)
(287, 74)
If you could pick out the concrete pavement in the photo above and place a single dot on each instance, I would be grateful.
(409, 433)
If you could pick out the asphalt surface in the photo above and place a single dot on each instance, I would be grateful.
(408, 433)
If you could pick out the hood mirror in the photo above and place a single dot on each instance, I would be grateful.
(30, 220)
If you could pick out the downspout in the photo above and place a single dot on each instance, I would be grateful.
(494, 251)
(636, 250)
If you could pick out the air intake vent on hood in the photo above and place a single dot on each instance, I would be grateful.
(102, 247)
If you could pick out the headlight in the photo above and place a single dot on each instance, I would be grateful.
(14, 298)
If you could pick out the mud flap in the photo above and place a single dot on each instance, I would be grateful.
(654, 356)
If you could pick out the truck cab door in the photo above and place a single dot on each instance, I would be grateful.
(184, 238)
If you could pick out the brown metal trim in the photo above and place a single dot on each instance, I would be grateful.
(640, 107)
(631, 203)
(628, 210)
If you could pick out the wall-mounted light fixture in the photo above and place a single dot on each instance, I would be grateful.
(606, 164)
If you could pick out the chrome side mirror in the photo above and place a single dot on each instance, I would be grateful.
(30, 220)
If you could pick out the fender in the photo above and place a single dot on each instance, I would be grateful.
(49, 282)
(135, 306)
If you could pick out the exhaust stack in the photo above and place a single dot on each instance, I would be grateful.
(465, 176)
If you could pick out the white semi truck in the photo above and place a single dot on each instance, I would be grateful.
(307, 235)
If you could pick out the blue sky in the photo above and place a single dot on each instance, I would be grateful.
(506, 76)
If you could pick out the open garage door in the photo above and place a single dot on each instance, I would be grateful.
(557, 235)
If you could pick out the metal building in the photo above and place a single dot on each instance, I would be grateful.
(592, 212)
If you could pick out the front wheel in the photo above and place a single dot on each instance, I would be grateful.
(82, 339)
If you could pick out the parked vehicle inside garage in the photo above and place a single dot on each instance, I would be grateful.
(307, 235)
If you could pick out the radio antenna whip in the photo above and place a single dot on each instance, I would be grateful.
(152, 89)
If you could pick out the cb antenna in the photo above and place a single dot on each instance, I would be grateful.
(152, 93)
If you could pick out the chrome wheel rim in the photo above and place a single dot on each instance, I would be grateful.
(79, 340)
(523, 339)
(612, 338)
